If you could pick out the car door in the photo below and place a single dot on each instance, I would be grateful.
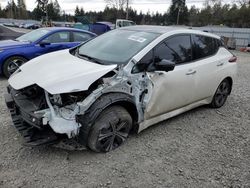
(208, 64)
(57, 41)
(175, 89)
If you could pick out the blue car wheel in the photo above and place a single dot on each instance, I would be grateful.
(12, 64)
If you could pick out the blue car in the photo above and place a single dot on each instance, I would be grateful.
(13, 53)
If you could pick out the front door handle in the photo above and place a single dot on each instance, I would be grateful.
(191, 72)
(220, 64)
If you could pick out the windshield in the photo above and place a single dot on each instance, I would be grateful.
(33, 35)
(116, 47)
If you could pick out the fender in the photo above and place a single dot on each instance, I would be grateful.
(103, 102)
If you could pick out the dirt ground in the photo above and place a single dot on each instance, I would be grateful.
(201, 148)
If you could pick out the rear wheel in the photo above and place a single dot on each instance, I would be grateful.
(12, 64)
(110, 130)
(221, 94)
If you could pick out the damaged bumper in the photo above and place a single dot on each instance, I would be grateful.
(29, 125)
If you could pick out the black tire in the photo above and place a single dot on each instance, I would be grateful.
(110, 130)
(221, 94)
(12, 64)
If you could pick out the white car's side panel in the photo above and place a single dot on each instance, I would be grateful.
(210, 73)
(178, 91)
(171, 90)
(147, 123)
(59, 72)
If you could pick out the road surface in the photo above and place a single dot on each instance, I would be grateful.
(6, 33)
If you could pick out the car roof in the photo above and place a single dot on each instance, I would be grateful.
(66, 28)
(165, 29)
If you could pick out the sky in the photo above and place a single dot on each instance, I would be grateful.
(97, 5)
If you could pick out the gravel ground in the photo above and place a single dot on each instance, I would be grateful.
(201, 148)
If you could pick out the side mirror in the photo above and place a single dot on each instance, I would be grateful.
(43, 44)
(165, 65)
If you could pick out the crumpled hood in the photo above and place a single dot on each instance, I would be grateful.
(7, 44)
(59, 72)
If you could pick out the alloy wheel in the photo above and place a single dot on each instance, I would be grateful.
(222, 93)
(113, 136)
(14, 65)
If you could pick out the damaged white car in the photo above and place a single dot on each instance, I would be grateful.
(122, 81)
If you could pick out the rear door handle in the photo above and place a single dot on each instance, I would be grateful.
(191, 72)
(220, 64)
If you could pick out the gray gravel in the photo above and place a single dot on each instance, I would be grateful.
(201, 148)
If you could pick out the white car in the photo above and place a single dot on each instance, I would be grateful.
(124, 23)
(124, 80)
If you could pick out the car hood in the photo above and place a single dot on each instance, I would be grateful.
(6, 44)
(59, 72)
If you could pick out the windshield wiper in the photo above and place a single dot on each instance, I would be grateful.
(90, 58)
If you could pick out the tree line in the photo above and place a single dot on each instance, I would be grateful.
(212, 13)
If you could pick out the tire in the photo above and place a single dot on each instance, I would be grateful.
(221, 94)
(110, 130)
(12, 64)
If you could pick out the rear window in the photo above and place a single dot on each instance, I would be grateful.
(204, 46)
(81, 37)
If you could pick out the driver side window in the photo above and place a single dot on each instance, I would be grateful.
(59, 37)
(155, 55)
(177, 49)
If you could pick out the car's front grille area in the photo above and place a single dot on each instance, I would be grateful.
(29, 126)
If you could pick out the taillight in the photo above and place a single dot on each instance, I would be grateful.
(233, 59)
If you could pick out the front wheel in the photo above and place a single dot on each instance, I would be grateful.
(221, 94)
(110, 130)
(12, 64)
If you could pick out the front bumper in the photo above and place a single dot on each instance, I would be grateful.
(29, 125)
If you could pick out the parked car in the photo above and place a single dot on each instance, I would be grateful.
(22, 25)
(124, 23)
(124, 80)
(14, 53)
(32, 26)
(12, 24)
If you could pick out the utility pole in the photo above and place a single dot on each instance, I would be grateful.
(64, 13)
(178, 17)
(127, 10)
(181, 3)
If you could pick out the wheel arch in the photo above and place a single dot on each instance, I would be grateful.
(103, 102)
(230, 81)
(12, 55)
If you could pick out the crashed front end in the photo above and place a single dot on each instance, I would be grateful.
(44, 118)
(40, 117)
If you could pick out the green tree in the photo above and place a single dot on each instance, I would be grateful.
(53, 10)
(40, 12)
(82, 12)
(42, 4)
(178, 12)
(205, 16)
(193, 16)
(2, 13)
(11, 9)
(77, 11)
(118, 4)
(21, 9)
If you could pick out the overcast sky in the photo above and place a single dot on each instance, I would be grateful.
(98, 5)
